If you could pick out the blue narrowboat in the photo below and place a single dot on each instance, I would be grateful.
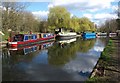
(89, 35)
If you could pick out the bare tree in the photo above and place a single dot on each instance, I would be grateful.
(109, 26)
(11, 15)
(118, 20)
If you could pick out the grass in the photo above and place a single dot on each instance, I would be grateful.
(103, 61)
(105, 55)
(96, 80)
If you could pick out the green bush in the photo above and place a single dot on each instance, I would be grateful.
(5, 37)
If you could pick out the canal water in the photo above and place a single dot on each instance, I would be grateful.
(63, 60)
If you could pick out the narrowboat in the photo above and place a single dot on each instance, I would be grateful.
(89, 35)
(20, 40)
(112, 34)
(101, 35)
(61, 34)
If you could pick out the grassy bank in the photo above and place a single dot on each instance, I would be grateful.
(99, 74)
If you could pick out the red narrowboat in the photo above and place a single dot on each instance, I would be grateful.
(20, 40)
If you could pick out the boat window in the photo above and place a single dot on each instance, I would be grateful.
(52, 34)
(26, 38)
(18, 38)
(29, 37)
(44, 35)
(29, 50)
(34, 36)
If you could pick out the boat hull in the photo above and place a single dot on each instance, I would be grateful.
(89, 35)
(30, 42)
(65, 37)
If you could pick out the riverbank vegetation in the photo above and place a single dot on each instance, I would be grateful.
(103, 67)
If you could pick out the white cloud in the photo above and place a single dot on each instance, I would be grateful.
(90, 5)
(99, 18)
(41, 14)
(93, 10)
(87, 63)
(114, 8)
(71, 15)
(104, 16)
(98, 49)
(2, 8)
(26, 0)
(90, 16)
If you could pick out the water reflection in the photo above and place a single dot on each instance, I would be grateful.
(87, 44)
(25, 54)
(84, 62)
(71, 60)
(60, 56)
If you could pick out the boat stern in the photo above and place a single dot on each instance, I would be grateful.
(12, 44)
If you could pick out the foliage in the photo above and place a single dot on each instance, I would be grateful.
(59, 17)
(5, 37)
(109, 26)
(92, 80)
(97, 80)
(43, 26)
(85, 45)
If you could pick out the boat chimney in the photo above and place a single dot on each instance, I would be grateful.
(30, 32)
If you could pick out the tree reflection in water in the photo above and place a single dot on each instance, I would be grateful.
(60, 54)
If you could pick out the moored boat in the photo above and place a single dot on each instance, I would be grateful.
(101, 35)
(89, 35)
(65, 34)
(112, 34)
(20, 40)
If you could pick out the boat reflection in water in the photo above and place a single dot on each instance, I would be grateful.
(67, 41)
(63, 43)
(24, 54)
(28, 49)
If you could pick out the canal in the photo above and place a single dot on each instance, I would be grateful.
(63, 60)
